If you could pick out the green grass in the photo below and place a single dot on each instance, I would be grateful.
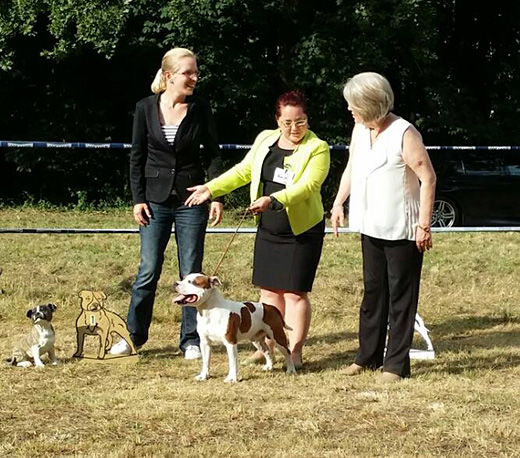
(463, 403)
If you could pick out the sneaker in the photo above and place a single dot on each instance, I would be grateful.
(122, 348)
(192, 352)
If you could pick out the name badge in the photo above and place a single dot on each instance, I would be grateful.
(283, 176)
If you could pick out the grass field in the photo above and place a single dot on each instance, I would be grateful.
(465, 403)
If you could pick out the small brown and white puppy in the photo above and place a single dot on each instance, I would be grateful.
(228, 322)
(39, 341)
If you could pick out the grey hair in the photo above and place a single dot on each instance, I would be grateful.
(370, 94)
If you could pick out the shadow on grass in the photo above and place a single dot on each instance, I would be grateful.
(459, 345)
(331, 338)
(332, 361)
(168, 352)
(467, 362)
(465, 333)
(473, 323)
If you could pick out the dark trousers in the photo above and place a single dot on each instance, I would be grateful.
(391, 275)
(190, 230)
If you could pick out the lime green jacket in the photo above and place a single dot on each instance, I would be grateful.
(309, 162)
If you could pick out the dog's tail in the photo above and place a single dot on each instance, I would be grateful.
(286, 326)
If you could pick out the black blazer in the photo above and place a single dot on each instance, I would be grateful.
(156, 167)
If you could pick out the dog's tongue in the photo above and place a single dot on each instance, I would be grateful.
(179, 299)
(185, 298)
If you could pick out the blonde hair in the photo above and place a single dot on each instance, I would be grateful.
(370, 94)
(169, 63)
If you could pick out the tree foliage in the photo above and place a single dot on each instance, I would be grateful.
(73, 70)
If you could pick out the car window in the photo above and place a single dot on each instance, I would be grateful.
(446, 162)
(512, 163)
(454, 165)
(481, 164)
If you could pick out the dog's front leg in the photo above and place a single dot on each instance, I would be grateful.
(205, 350)
(232, 359)
(35, 351)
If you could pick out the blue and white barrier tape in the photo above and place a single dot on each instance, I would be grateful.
(24, 144)
(224, 146)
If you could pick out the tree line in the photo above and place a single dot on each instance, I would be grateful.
(73, 71)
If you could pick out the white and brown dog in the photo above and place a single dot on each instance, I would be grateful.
(228, 322)
(39, 341)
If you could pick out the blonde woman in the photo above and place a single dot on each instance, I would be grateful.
(165, 160)
(391, 184)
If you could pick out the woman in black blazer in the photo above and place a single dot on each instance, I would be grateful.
(165, 159)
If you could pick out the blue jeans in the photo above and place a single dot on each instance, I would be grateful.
(190, 230)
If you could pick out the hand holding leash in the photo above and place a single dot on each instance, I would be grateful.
(260, 205)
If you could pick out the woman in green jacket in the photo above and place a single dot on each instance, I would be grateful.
(286, 168)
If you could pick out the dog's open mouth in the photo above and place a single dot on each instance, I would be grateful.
(185, 299)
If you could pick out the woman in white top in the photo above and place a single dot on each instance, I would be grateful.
(391, 184)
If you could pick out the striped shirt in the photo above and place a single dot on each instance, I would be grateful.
(169, 132)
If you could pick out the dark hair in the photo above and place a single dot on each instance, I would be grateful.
(291, 98)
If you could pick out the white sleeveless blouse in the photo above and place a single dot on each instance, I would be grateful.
(384, 192)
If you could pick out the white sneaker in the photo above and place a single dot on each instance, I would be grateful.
(192, 352)
(121, 348)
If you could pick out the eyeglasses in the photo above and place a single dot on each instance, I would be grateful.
(190, 74)
(299, 123)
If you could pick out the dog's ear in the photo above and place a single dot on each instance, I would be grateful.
(214, 281)
(83, 293)
(52, 306)
(102, 295)
(29, 313)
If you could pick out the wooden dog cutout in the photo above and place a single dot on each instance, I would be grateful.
(96, 320)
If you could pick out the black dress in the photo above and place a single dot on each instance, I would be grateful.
(281, 259)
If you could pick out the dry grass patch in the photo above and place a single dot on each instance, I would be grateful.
(464, 403)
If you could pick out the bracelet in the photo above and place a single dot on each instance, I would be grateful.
(424, 228)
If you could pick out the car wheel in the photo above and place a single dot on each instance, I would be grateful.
(445, 213)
